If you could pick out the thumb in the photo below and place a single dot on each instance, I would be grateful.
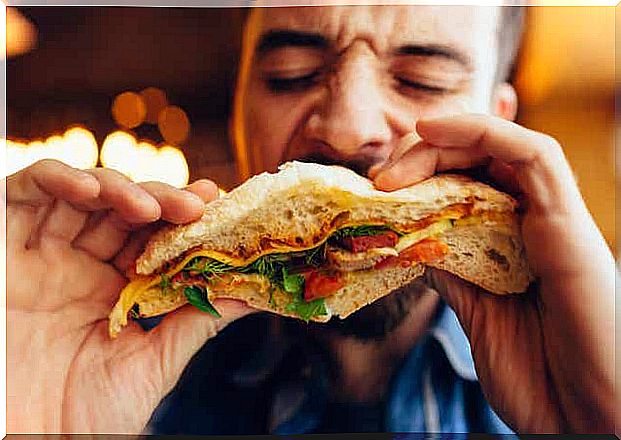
(182, 333)
(461, 296)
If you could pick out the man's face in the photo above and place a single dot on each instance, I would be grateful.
(344, 84)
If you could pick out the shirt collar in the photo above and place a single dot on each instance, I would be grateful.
(450, 335)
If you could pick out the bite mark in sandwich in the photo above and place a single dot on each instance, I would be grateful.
(313, 241)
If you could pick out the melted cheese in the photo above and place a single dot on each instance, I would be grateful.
(140, 286)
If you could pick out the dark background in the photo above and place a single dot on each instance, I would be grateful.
(86, 56)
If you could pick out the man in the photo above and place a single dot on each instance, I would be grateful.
(335, 85)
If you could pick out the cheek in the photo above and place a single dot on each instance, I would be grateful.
(454, 105)
(270, 123)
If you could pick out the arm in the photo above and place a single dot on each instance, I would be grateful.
(546, 360)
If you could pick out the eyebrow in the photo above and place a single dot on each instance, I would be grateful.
(278, 38)
(434, 50)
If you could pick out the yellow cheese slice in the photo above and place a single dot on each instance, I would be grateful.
(131, 294)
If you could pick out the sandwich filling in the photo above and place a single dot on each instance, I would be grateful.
(307, 277)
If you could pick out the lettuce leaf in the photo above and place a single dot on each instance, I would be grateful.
(276, 268)
(198, 298)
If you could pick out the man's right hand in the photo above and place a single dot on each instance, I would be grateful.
(71, 237)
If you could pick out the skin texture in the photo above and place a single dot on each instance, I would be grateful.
(557, 372)
(71, 236)
(545, 360)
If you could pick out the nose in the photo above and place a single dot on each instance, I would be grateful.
(352, 119)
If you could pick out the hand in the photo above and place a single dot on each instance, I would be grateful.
(71, 235)
(545, 360)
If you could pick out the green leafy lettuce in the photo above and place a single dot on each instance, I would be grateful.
(197, 296)
(278, 268)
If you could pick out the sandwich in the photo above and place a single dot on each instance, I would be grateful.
(314, 241)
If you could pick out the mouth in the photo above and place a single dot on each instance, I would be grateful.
(358, 165)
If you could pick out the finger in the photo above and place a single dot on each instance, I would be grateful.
(47, 179)
(422, 162)
(125, 259)
(31, 192)
(104, 236)
(62, 222)
(177, 206)
(461, 296)
(133, 203)
(538, 160)
(406, 143)
(126, 206)
(205, 189)
(499, 137)
(505, 176)
(182, 333)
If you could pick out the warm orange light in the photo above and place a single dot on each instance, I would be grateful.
(155, 101)
(174, 124)
(21, 35)
(129, 110)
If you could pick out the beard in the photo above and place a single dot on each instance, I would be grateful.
(376, 321)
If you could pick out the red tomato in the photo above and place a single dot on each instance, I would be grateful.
(425, 251)
(321, 284)
(362, 244)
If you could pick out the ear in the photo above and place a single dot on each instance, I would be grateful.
(504, 101)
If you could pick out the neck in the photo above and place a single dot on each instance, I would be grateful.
(363, 368)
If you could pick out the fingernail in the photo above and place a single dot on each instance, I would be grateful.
(195, 198)
(382, 180)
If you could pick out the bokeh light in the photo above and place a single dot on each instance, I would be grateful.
(173, 166)
(118, 152)
(80, 148)
(21, 35)
(129, 110)
(155, 101)
(140, 161)
(173, 124)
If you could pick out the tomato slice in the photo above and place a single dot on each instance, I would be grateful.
(321, 284)
(364, 243)
(425, 251)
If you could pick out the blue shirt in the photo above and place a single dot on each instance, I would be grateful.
(246, 382)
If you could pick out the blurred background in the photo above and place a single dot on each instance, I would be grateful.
(148, 91)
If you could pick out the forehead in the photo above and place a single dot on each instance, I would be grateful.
(469, 28)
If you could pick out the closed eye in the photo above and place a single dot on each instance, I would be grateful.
(294, 84)
(420, 86)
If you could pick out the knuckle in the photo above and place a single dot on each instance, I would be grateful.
(550, 143)
(109, 173)
(46, 164)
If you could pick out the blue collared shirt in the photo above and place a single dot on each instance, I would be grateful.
(237, 385)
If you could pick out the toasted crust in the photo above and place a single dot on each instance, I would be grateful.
(300, 205)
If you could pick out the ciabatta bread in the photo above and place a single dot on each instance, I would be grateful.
(296, 207)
